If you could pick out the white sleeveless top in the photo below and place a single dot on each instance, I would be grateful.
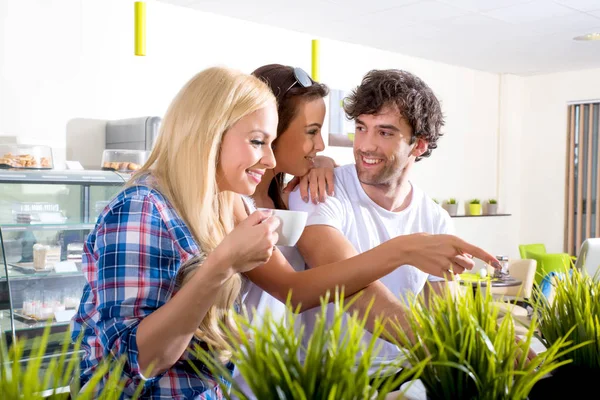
(254, 298)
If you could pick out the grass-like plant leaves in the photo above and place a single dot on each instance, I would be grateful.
(471, 355)
(335, 364)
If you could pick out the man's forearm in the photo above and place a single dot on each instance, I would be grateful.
(339, 250)
(384, 306)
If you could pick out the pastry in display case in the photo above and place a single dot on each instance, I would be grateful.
(74, 252)
(26, 156)
(123, 160)
(42, 305)
(45, 256)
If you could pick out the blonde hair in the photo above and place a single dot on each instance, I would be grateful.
(184, 162)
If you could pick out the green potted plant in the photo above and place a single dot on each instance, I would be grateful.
(475, 207)
(572, 312)
(33, 380)
(275, 365)
(492, 206)
(452, 206)
(472, 354)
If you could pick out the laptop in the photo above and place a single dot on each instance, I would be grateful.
(589, 257)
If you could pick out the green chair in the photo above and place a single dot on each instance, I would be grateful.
(536, 248)
(546, 262)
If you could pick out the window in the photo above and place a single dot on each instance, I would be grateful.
(583, 179)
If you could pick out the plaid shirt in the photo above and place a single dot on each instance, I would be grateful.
(130, 261)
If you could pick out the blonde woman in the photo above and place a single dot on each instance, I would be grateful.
(214, 142)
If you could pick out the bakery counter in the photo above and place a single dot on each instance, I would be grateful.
(45, 218)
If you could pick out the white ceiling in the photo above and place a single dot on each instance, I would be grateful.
(512, 36)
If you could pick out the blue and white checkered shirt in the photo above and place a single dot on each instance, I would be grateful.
(130, 261)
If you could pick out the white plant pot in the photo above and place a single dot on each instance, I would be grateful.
(452, 209)
(492, 209)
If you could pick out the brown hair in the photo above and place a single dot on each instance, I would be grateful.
(279, 78)
(415, 101)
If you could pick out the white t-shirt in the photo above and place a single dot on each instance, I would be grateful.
(366, 225)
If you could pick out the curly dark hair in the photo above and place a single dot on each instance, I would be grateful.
(415, 101)
(280, 78)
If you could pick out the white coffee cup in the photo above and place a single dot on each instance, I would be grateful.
(291, 225)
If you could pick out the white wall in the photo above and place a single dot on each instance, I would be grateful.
(543, 152)
(68, 59)
(501, 235)
(74, 58)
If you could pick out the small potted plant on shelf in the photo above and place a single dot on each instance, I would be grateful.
(475, 207)
(571, 312)
(472, 353)
(452, 206)
(492, 206)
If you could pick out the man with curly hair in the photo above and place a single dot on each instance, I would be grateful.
(398, 123)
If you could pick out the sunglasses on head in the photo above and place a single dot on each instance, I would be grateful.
(301, 78)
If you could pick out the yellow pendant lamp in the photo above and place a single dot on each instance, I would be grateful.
(140, 27)
(315, 60)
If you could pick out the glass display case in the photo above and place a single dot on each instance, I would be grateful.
(45, 217)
